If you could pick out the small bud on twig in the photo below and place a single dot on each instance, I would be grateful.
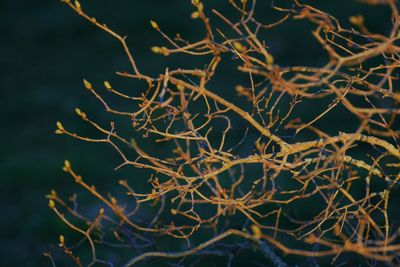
(154, 24)
(87, 84)
(62, 240)
(60, 126)
(356, 20)
(256, 231)
(107, 85)
(51, 204)
(78, 6)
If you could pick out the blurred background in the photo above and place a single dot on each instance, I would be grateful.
(46, 51)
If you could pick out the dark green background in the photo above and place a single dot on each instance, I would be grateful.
(46, 50)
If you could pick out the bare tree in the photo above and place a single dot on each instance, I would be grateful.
(205, 182)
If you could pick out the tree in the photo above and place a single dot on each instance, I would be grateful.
(205, 188)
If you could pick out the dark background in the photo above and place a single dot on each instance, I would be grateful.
(46, 51)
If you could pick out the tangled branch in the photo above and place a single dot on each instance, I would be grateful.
(206, 183)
